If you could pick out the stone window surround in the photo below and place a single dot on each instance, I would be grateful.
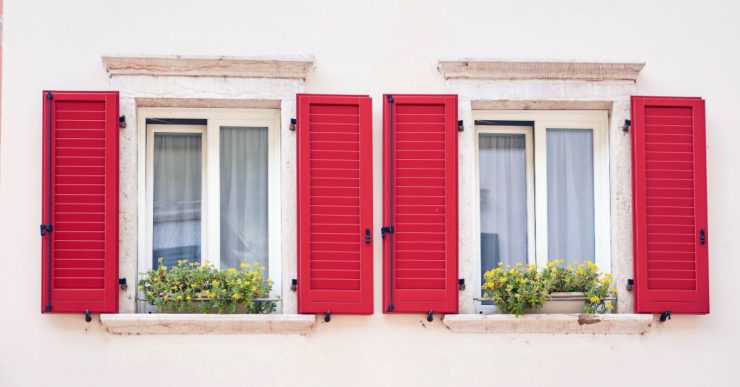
(546, 85)
(202, 82)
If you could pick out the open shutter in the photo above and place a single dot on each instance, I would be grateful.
(670, 205)
(335, 204)
(420, 203)
(80, 202)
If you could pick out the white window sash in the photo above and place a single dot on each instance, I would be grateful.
(536, 153)
(210, 208)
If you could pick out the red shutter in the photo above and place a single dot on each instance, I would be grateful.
(335, 204)
(80, 202)
(670, 205)
(420, 203)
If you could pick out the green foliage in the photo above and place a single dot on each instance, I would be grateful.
(516, 289)
(190, 287)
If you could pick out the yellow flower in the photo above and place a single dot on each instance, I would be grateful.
(236, 296)
(608, 305)
(166, 297)
(232, 271)
(594, 299)
(188, 297)
(214, 283)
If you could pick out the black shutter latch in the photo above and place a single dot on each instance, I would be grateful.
(386, 229)
(46, 228)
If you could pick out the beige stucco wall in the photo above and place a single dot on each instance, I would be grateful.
(369, 48)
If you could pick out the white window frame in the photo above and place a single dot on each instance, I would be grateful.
(210, 213)
(536, 159)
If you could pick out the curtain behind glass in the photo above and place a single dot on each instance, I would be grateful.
(243, 167)
(503, 199)
(570, 195)
(177, 197)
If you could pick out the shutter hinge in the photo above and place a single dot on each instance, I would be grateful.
(327, 316)
(88, 317)
(386, 229)
(702, 237)
(122, 122)
(293, 124)
(46, 228)
(430, 316)
(390, 99)
(293, 285)
(665, 316)
(49, 95)
(461, 283)
(460, 126)
(627, 125)
(630, 284)
(122, 283)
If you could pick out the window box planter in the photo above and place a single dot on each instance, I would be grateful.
(562, 302)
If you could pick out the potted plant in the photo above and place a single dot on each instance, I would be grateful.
(191, 287)
(523, 289)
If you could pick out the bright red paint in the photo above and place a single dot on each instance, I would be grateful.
(669, 183)
(335, 204)
(80, 175)
(424, 203)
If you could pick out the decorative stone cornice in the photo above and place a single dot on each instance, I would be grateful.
(291, 68)
(543, 70)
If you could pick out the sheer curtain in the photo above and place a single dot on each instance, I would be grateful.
(570, 195)
(243, 196)
(177, 197)
(503, 199)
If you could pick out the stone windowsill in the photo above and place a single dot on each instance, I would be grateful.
(163, 323)
(550, 323)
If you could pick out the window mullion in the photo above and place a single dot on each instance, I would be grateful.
(211, 232)
(540, 191)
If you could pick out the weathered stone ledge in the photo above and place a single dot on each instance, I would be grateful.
(162, 323)
(530, 70)
(550, 323)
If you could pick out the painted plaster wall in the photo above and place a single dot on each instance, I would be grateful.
(370, 48)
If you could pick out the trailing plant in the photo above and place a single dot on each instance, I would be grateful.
(190, 287)
(516, 289)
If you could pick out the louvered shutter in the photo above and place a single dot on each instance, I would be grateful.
(670, 205)
(80, 202)
(335, 253)
(420, 263)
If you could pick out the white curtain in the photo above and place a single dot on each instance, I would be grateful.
(177, 197)
(503, 199)
(243, 196)
(570, 195)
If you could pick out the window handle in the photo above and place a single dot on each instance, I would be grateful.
(367, 235)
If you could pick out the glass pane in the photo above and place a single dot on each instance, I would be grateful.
(177, 197)
(503, 199)
(243, 196)
(570, 195)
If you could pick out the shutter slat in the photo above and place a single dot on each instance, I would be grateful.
(334, 204)
(420, 257)
(669, 205)
(80, 201)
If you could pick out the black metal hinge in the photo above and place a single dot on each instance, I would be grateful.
(665, 316)
(627, 125)
(122, 122)
(630, 284)
(46, 228)
(293, 285)
(122, 283)
(293, 124)
(390, 99)
(386, 229)
(461, 283)
(460, 126)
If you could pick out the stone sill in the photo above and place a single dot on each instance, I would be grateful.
(550, 323)
(163, 323)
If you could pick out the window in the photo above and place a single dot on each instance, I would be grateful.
(212, 188)
(543, 187)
